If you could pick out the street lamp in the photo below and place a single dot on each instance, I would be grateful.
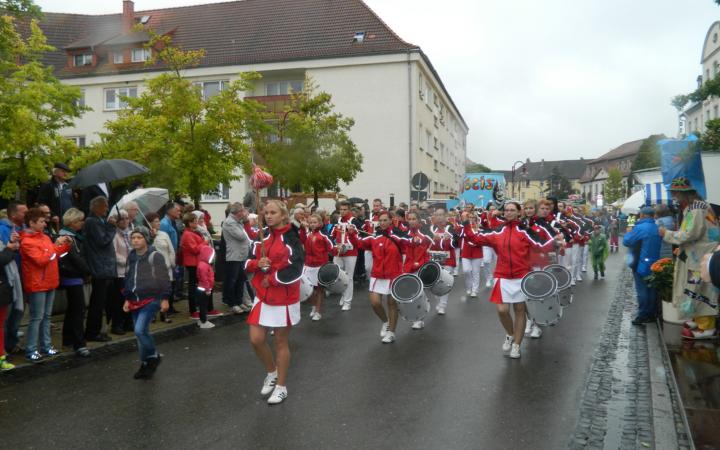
(523, 173)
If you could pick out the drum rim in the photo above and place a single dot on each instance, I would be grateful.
(403, 277)
(558, 316)
(439, 269)
(565, 269)
(538, 297)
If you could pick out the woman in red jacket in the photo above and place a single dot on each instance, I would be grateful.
(277, 265)
(386, 248)
(40, 277)
(512, 242)
(317, 250)
(415, 249)
(191, 243)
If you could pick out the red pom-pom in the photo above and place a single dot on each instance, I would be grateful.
(260, 179)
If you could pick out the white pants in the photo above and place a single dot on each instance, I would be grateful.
(347, 264)
(488, 258)
(457, 261)
(586, 252)
(368, 263)
(568, 260)
(443, 299)
(577, 262)
(471, 269)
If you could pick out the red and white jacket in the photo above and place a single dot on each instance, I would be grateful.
(416, 253)
(337, 236)
(386, 248)
(371, 223)
(512, 244)
(539, 257)
(490, 222)
(448, 243)
(317, 248)
(469, 249)
(283, 247)
(205, 272)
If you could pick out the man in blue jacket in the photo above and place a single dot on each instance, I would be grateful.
(644, 242)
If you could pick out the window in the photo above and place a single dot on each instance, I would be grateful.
(80, 101)
(428, 93)
(113, 100)
(82, 60)
(715, 112)
(118, 58)
(428, 139)
(435, 166)
(714, 38)
(435, 142)
(359, 36)
(220, 193)
(78, 140)
(140, 54)
(421, 83)
(420, 137)
(284, 87)
(211, 88)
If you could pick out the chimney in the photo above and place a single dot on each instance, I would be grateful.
(128, 17)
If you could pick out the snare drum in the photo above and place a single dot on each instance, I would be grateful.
(538, 285)
(434, 277)
(306, 289)
(332, 278)
(545, 311)
(407, 290)
(439, 256)
(562, 274)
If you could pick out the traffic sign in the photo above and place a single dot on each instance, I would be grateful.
(419, 181)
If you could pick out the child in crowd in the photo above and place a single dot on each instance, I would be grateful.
(205, 284)
(599, 250)
(317, 248)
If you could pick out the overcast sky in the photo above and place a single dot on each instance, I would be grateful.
(552, 79)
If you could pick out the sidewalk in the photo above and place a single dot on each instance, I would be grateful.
(181, 325)
(630, 399)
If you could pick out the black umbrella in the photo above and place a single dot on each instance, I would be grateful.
(106, 171)
(355, 200)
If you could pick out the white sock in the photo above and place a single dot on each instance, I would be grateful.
(273, 374)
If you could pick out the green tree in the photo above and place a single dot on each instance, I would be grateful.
(648, 155)
(477, 168)
(710, 139)
(190, 143)
(20, 8)
(34, 105)
(558, 185)
(613, 189)
(313, 151)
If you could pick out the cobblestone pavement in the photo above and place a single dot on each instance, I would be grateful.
(617, 406)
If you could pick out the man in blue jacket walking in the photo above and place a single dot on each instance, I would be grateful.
(644, 242)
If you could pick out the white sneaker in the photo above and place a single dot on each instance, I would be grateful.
(384, 329)
(489, 283)
(515, 351)
(528, 327)
(579, 278)
(341, 302)
(418, 325)
(246, 307)
(316, 317)
(269, 383)
(468, 293)
(237, 309)
(206, 325)
(536, 332)
(572, 283)
(473, 295)
(389, 338)
(507, 343)
(346, 307)
(312, 312)
(278, 395)
(441, 310)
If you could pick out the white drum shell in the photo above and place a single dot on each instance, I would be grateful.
(338, 285)
(306, 289)
(444, 284)
(546, 311)
(411, 309)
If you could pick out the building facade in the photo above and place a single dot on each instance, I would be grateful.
(593, 179)
(694, 117)
(405, 120)
(532, 179)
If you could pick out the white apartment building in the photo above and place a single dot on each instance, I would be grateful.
(405, 120)
(693, 118)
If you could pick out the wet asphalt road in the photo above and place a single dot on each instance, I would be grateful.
(447, 386)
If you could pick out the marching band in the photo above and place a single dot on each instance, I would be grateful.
(526, 244)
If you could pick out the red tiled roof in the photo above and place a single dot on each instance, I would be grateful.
(237, 32)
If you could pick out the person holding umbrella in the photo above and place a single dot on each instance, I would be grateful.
(57, 194)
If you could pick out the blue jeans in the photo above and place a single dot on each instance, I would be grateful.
(647, 297)
(234, 282)
(142, 318)
(41, 305)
